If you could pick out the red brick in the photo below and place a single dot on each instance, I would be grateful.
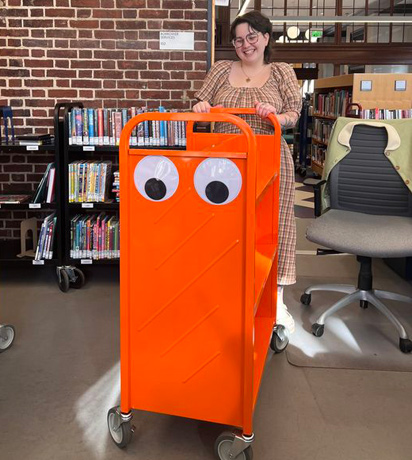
(85, 44)
(173, 65)
(109, 14)
(62, 93)
(164, 95)
(85, 54)
(85, 94)
(116, 94)
(155, 65)
(102, 74)
(109, 84)
(85, 3)
(37, 53)
(154, 75)
(60, 33)
(177, 25)
(153, 13)
(176, 84)
(130, 25)
(68, 54)
(107, 24)
(38, 63)
(137, 4)
(37, 43)
(88, 64)
(85, 34)
(85, 74)
(60, 12)
(132, 64)
(38, 23)
(176, 14)
(129, 14)
(177, 4)
(81, 13)
(92, 24)
(92, 83)
(39, 83)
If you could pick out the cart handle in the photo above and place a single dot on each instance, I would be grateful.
(246, 111)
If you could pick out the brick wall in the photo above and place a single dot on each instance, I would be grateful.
(102, 52)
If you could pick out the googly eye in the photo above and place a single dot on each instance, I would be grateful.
(218, 180)
(156, 178)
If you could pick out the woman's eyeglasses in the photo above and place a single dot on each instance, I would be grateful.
(250, 38)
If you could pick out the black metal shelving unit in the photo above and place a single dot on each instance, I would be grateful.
(10, 247)
(71, 274)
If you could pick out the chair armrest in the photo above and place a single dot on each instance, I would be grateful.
(316, 184)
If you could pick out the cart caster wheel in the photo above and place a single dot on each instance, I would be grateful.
(223, 445)
(364, 304)
(279, 340)
(306, 299)
(121, 432)
(63, 280)
(80, 279)
(405, 345)
(7, 334)
(318, 329)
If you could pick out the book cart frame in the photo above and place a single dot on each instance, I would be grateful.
(198, 281)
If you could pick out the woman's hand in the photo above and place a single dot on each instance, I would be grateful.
(263, 109)
(201, 107)
(204, 107)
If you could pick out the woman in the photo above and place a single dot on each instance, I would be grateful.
(271, 88)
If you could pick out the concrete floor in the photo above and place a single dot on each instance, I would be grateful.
(61, 376)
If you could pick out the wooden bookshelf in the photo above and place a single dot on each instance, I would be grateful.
(370, 91)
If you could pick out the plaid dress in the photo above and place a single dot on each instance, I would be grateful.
(282, 91)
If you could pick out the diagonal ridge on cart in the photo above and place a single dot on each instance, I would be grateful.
(185, 241)
(173, 205)
(185, 288)
(201, 367)
(189, 331)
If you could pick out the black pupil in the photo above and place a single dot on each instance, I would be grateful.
(155, 189)
(217, 192)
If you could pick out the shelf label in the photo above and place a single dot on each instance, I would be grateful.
(34, 205)
(38, 262)
(32, 147)
(88, 148)
(177, 40)
(87, 205)
(86, 261)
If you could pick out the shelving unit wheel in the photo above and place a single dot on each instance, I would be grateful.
(225, 448)
(77, 278)
(63, 279)
(305, 299)
(405, 345)
(279, 340)
(318, 329)
(7, 335)
(120, 427)
(364, 304)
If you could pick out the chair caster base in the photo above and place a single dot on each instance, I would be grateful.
(318, 329)
(405, 345)
(305, 299)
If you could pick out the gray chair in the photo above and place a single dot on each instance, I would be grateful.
(371, 217)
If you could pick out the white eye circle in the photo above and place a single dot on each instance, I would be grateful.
(156, 178)
(218, 180)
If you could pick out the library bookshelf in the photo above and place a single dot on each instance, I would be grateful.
(25, 202)
(202, 339)
(378, 96)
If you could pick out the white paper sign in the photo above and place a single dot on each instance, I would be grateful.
(221, 2)
(177, 40)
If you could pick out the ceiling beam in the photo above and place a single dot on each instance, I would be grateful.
(321, 53)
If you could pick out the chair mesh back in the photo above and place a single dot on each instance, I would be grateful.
(365, 180)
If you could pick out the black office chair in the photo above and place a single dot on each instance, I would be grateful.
(370, 216)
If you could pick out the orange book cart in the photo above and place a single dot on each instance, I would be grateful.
(198, 277)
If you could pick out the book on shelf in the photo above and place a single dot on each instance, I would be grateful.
(94, 236)
(45, 243)
(89, 181)
(13, 199)
(35, 139)
(103, 127)
(45, 192)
